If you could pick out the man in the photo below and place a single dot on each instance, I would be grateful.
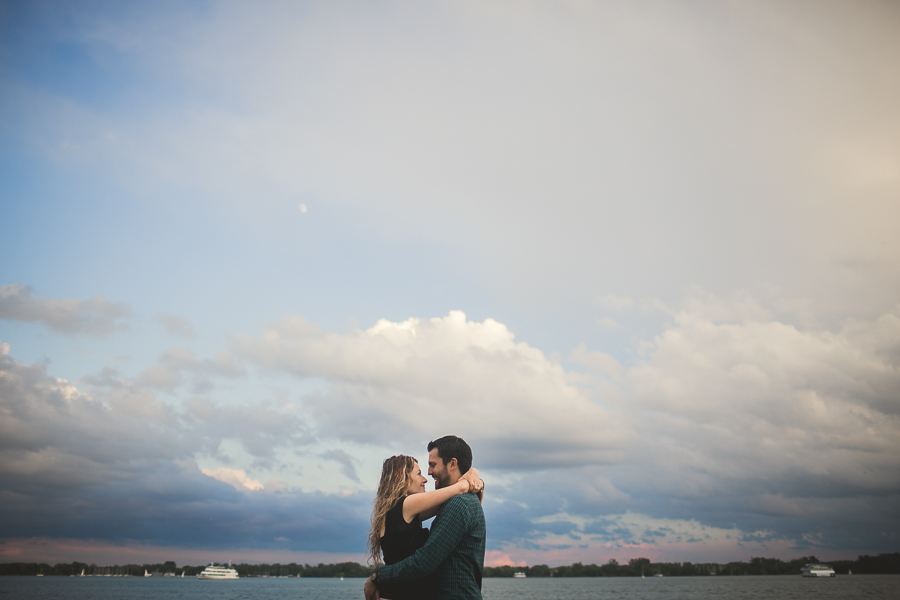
(455, 548)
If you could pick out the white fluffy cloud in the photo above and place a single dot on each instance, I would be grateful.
(728, 411)
(400, 382)
(757, 398)
(726, 390)
(729, 418)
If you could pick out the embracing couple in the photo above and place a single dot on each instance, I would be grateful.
(447, 562)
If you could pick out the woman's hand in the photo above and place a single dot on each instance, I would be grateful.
(473, 481)
(370, 589)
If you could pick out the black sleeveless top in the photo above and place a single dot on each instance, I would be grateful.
(401, 540)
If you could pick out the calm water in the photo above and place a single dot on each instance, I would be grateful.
(594, 588)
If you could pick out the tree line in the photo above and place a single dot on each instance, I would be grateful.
(347, 569)
(883, 564)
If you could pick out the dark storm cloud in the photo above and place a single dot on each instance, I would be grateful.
(122, 469)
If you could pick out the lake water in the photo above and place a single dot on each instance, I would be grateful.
(792, 587)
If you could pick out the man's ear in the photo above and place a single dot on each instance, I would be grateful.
(453, 464)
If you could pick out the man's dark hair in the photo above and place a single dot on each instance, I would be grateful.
(450, 447)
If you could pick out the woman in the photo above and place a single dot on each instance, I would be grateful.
(400, 507)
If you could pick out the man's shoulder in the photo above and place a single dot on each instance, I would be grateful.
(463, 500)
(464, 504)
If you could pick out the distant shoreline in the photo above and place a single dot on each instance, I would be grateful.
(882, 564)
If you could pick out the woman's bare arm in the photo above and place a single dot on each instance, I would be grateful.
(427, 504)
(416, 504)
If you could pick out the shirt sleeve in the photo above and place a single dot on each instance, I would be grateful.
(448, 530)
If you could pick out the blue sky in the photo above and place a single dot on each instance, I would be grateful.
(642, 256)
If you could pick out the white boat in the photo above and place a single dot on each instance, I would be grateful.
(216, 572)
(817, 570)
(519, 574)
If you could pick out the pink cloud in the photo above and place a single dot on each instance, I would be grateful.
(496, 558)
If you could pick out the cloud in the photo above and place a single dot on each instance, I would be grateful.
(102, 552)
(752, 397)
(346, 462)
(418, 378)
(236, 478)
(122, 468)
(598, 361)
(176, 325)
(749, 420)
(608, 323)
(617, 303)
(259, 428)
(175, 362)
(568, 153)
(727, 412)
(784, 437)
(96, 316)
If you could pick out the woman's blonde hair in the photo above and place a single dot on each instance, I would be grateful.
(394, 485)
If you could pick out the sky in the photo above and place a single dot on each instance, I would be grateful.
(642, 256)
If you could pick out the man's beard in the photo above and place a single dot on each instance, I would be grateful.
(441, 481)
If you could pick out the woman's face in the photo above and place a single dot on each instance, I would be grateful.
(416, 480)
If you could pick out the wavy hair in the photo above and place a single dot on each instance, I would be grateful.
(394, 485)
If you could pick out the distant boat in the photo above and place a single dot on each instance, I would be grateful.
(817, 570)
(519, 574)
(146, 574)
(214, 572)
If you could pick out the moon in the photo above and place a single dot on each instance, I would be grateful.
(303, 208)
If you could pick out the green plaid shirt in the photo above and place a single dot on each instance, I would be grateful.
(455, 550)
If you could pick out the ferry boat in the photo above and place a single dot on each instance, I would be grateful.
(817, 570)
(216, 572)
(519, 574)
